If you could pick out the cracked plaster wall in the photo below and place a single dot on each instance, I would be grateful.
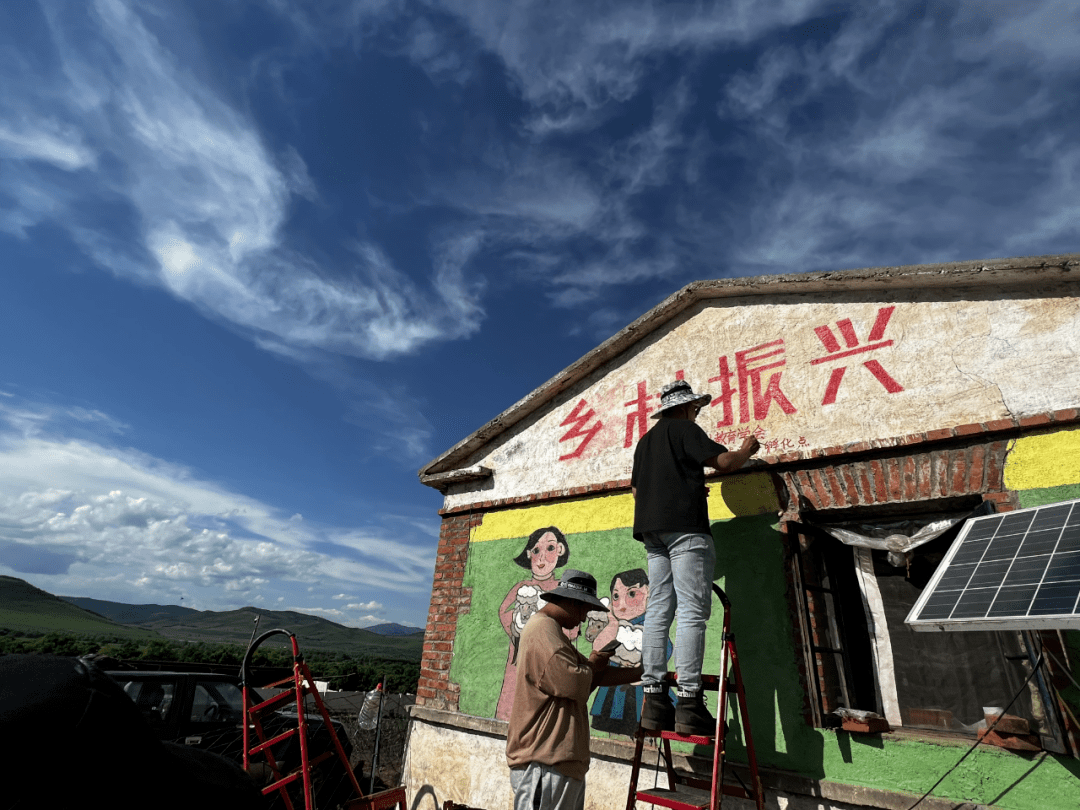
(939, 360)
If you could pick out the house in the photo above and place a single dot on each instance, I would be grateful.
(885, 400)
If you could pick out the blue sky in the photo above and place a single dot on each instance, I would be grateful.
(263, 260)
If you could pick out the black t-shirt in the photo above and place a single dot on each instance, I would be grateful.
(669, 478)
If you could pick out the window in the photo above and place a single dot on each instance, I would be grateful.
(861, 655)
(153, 698)
(217, 702)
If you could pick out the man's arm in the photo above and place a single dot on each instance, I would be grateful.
(613, 676)
(732, 460)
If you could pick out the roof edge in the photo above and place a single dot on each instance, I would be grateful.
(1010, 272)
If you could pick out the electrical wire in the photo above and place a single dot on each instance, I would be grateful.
(967, 753)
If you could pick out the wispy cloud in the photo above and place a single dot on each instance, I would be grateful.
(89, 516)
(208, 198)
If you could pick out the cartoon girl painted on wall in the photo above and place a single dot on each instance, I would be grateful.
(545, 550)
(617, 708)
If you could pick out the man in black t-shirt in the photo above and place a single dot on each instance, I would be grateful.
(671, 517)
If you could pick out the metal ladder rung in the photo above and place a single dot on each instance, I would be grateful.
(274, 740)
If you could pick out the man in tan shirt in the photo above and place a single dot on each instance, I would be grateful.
(547, 743)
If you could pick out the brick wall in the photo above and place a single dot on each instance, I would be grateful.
(903, 476)
(448, 600)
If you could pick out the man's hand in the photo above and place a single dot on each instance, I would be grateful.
(599, 659)
(732, 460)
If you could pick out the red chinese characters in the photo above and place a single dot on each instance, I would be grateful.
(850, 348)
(750, 367)
(577, 421)
(637, 419)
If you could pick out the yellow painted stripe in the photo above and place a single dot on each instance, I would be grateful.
(590, 515)
(746, 495)
(1051, 460)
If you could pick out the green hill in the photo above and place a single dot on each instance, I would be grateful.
(129, 614)
(32, 610)
(235, 627)
(312, 632)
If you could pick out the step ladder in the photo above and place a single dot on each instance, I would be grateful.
(258, 744)
(693, 793)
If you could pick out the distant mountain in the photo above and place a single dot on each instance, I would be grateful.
(129, 614)
(32, 610)
(391, 629)
(236, 626)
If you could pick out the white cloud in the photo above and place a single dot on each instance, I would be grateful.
(83, 518)
(364, 606)
(216, 238)
(58, 144)
(572, 59)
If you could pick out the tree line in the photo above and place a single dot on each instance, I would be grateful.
(343, 671)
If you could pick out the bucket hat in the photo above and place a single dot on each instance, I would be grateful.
(577, 585)
(679, 393)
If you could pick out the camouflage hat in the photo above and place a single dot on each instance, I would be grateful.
(679, 393)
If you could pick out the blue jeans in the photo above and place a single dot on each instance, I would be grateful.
(680, 586)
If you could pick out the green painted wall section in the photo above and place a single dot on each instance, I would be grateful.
(1045, 495)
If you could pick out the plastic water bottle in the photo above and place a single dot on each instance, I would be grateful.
(369, 712)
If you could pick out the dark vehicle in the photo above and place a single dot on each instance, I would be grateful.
(206, 711)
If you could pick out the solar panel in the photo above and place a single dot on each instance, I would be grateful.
(1016, 570)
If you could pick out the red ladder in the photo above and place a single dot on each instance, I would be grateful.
(692, 793)
(299, 685)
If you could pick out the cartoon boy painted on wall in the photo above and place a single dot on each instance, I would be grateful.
(545, 550)
(617, 708)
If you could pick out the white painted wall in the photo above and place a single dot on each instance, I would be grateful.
(967, 358)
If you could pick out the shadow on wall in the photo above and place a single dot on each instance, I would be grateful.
(750, 569)
(425, 799)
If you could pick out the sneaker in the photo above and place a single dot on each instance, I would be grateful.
(658, 713)
(692, 717)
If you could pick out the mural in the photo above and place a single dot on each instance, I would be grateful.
(545, 550)
(617, 709)
(541, 539)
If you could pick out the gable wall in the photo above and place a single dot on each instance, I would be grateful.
(986, 383)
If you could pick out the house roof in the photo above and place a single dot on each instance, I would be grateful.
(1003, 273)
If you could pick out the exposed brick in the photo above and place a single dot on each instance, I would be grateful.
(881, 489)
(958, 484)
(942, 462)
(425, 692)
(911, 487)
(1067, 415)
(895, 478)
(923, 475)
(938, 435)
(1001, 424)
(1005, 501)
(865, 487)
(1035, 419)
(851, 490)
(820, 488)
(806, 488)
(837, 491)
(969, 430)
(858, 447)
(978, 468)
(994, 465)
